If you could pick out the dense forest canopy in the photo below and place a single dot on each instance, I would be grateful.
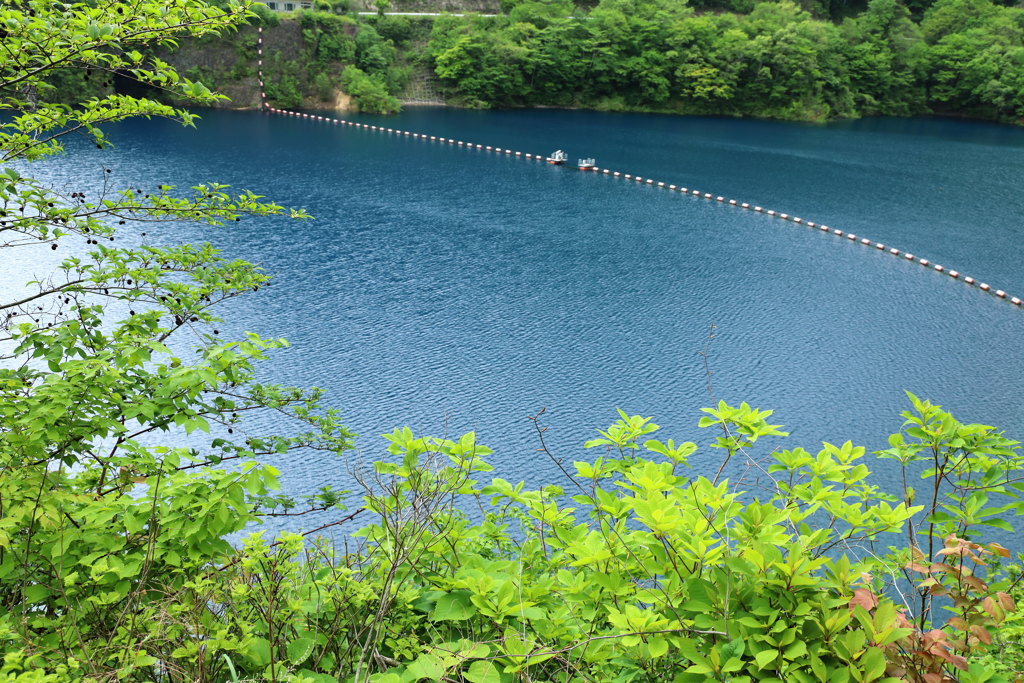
(813, 61)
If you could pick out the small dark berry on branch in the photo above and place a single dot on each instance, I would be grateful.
(53, 246)
(216, 331)
(107, 170)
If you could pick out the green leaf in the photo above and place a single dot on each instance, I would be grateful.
(258, 652)
(454, 606)
(300, 649)
(873, 664)
(36, 593)
(482, 672)
(427, 666)
(765, 658)
(657, 646)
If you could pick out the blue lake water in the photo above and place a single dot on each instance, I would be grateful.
(452, 289)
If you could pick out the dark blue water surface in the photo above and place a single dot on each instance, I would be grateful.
(452, 289)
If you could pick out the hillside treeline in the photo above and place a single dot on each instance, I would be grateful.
(767, 59)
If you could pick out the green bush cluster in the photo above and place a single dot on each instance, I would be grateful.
(370, 92)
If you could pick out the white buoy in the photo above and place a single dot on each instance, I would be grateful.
(798, 220)
(671, 187)
(651, 182)
(954, 274)
(969, 280)
(837, 232)
(879, 245)
(984, 287)
(864, 241)
(1015, 301)
(606, 171)
(628, 176)
(850, 236)
(661, 184)
(909, 257)
(938, 267)
(732, 202)
(707, 195)
(1001, 294)
(784, 216)
(745, 205)
(758, 208)
(719, 199)
(894, 252)
(923, 261)
(617, 174)
(770, 212)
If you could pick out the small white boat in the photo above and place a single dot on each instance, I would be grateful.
(587, 165)
(557, 157)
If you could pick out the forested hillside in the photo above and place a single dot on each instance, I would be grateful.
(764, 59)
(813, 61)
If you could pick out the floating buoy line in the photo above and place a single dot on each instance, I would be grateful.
(588, 165)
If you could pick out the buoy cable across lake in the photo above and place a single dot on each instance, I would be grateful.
(863, 241)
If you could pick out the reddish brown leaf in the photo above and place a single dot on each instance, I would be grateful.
(975, 583)
(959, 662)
(958, 623)
(999, 550)
(982, 634)
(864, 598)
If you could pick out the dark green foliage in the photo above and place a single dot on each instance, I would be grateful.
(779, 60)
(369, 91)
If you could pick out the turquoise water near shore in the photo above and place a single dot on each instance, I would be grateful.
(453, 289)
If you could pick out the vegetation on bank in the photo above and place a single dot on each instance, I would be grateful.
(121, 473)
(815, 60)
(763, 59)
